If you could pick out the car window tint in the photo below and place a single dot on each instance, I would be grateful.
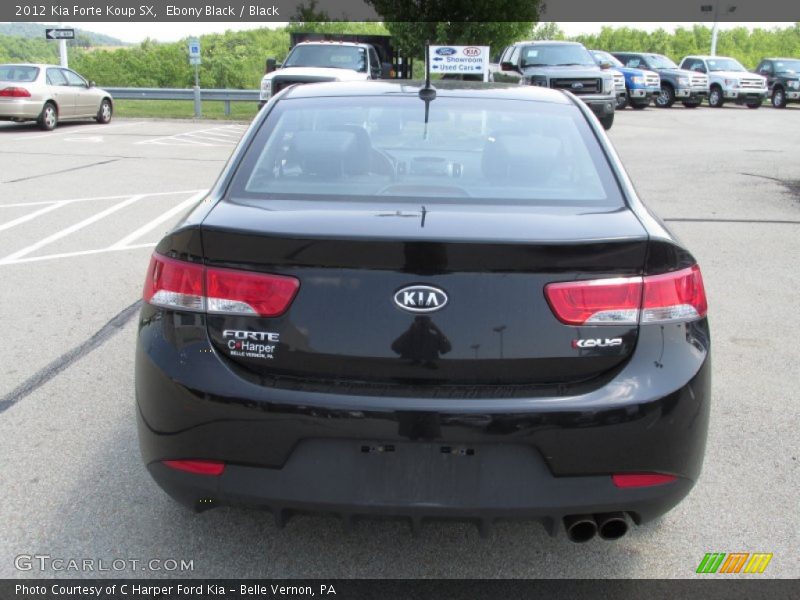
(73, 78)
(18, 73)
(470, 150)
(56, 77)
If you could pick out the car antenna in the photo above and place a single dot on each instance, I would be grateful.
(427, 93)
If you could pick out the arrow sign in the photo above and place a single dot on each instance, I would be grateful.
(59, 34)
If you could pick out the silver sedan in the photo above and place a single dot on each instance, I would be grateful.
(48, 94)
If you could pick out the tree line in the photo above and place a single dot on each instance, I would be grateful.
(235, 59)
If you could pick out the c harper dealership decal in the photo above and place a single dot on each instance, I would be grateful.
(251, 344)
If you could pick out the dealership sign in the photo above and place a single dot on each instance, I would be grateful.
(461, 60)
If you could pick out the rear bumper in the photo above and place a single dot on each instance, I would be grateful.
(539, 458)
(20, 108)
(417, 481)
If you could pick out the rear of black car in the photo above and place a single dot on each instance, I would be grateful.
(454, 313)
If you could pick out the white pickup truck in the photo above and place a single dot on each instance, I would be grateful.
(316, 57)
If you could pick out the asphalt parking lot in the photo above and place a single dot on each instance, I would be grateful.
(80, 210)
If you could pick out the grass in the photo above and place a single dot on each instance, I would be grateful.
(183, 109)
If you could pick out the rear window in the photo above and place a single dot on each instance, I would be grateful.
(470, 150)
(18, 73)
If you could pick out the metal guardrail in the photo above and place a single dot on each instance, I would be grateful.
(221, 95)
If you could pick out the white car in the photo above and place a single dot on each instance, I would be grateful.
(49, 94)
(728, 80)
(311, 62)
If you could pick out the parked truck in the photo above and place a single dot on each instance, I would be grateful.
(562, 65)
(689, 87)
(728, 80)
(316, 57)
(783, 79)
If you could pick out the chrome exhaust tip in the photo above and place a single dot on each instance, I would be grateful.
(580, 528)
(611, 526)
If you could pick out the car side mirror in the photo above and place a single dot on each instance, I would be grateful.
(507, 66)
(92, 84)
(604, 64)
(271, 65)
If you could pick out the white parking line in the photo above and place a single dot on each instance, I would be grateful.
(31, 259)
(225, 135)
(54, 134)
(174, 211)
(71, 229)
(92, 199)
(30, 216)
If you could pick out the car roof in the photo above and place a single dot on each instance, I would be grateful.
(331, 43)
(553, 42)
(449, 88)
(25, 64)
(707, 56)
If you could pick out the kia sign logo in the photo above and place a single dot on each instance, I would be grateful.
(445, 51)
(472, 51)
(420, 298)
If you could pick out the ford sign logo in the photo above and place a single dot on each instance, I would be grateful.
(577, 85)
(420, 298)
(445, 51)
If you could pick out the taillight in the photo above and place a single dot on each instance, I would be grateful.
(244, 293)
(637, 480)
(174, 284)
(183, 285)
(197, 467)
(678, 296)
(671, 297)
(596, 302)
(15, 92)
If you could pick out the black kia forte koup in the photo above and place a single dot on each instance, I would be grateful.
(447, 304)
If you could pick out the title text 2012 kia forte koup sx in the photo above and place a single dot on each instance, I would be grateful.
(425, 304)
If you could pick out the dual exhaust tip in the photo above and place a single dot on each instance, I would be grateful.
(582, 528)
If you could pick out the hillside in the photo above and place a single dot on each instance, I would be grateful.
(36, 31)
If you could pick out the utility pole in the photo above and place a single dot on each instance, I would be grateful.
(62, 50)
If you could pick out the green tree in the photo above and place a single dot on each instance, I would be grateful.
(415, 22)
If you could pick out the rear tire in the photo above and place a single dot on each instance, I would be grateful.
(607, 121)
(691, 104)
(667, 96)
(778, 98)
(48, 119)
(104, 113)
(622, 102)
(715, 99)
(754, 105)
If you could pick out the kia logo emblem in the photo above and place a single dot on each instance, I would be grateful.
(445, 51)
(420, 298)
(472, 51)
(577, 85)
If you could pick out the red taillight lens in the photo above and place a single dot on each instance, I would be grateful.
(14, 92)
(183, 285)
(198, 467)
(174, 284)
(635, 480)
(678, 296)
(596, 302)
(243, 293)
(671, 297)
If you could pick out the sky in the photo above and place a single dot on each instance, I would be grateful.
(168, 32)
